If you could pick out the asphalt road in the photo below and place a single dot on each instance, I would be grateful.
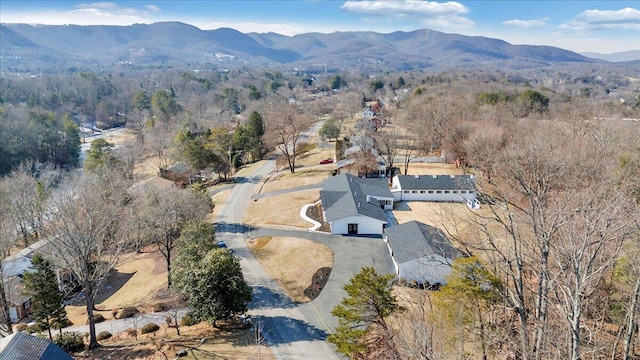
(295, 331)
(288, 332)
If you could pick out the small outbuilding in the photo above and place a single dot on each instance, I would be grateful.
(421, 253)
(443, 188)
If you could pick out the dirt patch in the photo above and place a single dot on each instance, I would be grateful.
(292, 262)
(280, 210)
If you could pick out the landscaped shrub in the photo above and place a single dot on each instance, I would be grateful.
(98, 318)
(157, 307)
(37, 327)
(149, 328)
(103, 335)
(62, 324)
(128, 312)
(70, 341)
(187, 320)
(21, 327)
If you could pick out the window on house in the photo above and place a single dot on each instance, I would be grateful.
(352, 228)
(26, 305)
(422, 191)
(430, 191)
(439, 192)
(406, 191)
(413, 191)
(446, 191)
(454, 192)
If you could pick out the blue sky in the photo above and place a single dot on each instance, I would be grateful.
(597, 26)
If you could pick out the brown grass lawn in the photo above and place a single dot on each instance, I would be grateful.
(219, 344)
(246, 170)
(139, 282)
(455, 219)
(292, 262)
(280, 210)
(218, 201)
(286, 180)
(313, 157)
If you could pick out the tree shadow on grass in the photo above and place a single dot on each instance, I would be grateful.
(115, 280)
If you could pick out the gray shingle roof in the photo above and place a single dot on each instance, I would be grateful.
(22, 346)
(437, 182)
(413, 240)
(346, 195)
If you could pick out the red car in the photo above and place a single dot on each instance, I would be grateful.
(326, 161)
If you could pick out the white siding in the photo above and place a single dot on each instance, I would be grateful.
(366, 225)
(436, 195)
(382, 199)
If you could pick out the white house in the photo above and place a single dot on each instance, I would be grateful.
(353, 205)
(368, 113)
(420, 253)
(448, 188)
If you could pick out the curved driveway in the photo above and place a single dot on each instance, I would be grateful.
(295, 331)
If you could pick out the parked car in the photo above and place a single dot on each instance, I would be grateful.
(326, 161)
(221, 244)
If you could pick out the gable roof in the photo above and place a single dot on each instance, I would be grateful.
(437, 182)
(155, 182)
(346, 195)
(413, 240)
(22, 346)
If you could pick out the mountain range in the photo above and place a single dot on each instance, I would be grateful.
(26, 47)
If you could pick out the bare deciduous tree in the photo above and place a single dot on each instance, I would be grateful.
(7, 232)
(389, 140)
(285, 131)
(86, 232)
(429, 117)
(26, 196)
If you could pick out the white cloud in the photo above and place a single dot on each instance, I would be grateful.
(102, 13)
(623, 19)
(98, 5)
(527, 23)
(433, 14)
(152, 8)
